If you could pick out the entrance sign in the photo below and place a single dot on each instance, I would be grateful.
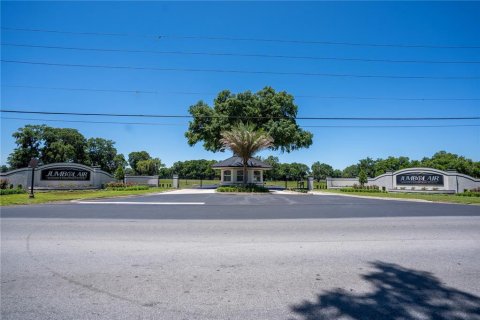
(416, 178)
(70, 174)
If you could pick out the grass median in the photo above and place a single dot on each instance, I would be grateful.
(50, 196)
(450, 198)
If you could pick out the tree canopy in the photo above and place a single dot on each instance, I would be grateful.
(194, 169)
(143, 164)
(273, 112)
(441, 160)
(51, 145)
(321, 171)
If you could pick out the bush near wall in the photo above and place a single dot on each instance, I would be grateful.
(470, 193)
(247, 188)
(3, 183)
(120, 186)
(12, 191)
(365, 189)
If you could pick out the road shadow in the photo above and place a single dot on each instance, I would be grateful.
(399, 294)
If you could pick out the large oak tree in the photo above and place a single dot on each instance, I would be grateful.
(267, 110)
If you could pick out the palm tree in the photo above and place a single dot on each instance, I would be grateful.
(245, 141)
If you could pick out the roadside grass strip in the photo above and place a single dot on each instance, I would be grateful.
(53, 196)
(422, 197)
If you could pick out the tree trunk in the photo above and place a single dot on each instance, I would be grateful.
(245, 177)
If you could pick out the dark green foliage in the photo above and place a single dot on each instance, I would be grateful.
(143, 164)
(136, 156)
(165, 173)
(4, 183)
(273, 112)
(320, 185)
(120, 186)
(367, 165)
(351, 171)
(18, 190)
(441, 160)
(4, 168)
(321, 171)
(194, 169)
(101, 152)
(241, 188)
(63, 145)
(362, 190)
(149, 167)
(337, 173)
(272, 174)
(294, 171)
(362, 177)
(381, 166)
(120, 173)
(29, 140)
(12, 191)
(470, 193)
(52, 145)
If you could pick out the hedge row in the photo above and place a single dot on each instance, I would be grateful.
(11, 191)
(469, 194)
(128, 188)
(248, 188)
(362, 190)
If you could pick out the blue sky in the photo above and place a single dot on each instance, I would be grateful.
(408, 23)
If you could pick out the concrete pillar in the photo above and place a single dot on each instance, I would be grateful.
(94, 179)
(310, 183)
(175, 184)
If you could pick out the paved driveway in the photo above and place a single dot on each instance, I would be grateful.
(226, 206)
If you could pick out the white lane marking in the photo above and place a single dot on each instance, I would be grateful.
(144, 203)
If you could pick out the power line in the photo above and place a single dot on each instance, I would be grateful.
(231, 54)
(185, 124)
(247, 39)
(241, 117)
(98, 90)
(337, 75)
(99, 122)
(142, 91)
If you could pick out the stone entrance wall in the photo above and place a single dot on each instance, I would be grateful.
(414, 180)
(59, 176)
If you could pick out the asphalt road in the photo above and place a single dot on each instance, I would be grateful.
(241, 257)
(225, 206)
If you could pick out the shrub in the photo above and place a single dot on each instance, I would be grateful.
(119, 186)
(11, 191)
(3, 183)
(129, 188)
(247, 188)
(365, 190)
(469, 194)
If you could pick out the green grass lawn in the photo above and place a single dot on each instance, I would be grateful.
(451, 198)
(42, 197)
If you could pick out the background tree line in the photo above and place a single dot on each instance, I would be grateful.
(51, 145)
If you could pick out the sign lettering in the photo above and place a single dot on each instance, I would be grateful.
(420, 178)
(71, 174)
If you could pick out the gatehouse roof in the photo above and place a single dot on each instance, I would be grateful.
(238, 162)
